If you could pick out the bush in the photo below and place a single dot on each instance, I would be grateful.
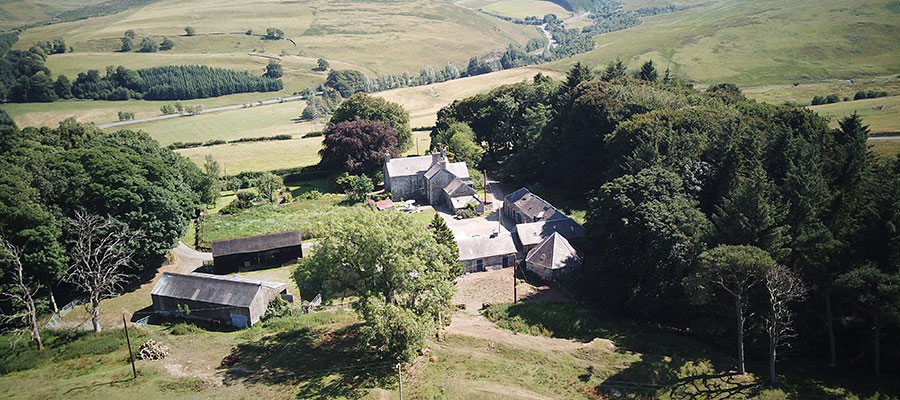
(246, 195)
(310, 195)
(313, 134)
(190, 31)
(277, 308)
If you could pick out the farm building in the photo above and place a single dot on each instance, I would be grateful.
(553, 257)
(256, 251)
(522, 207)
(532, 233)
(487, 252)
(430, 179)
(382, 205)
(214, 298)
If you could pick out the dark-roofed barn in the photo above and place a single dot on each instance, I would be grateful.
(220, 299)
(522, 207)
(256, 251)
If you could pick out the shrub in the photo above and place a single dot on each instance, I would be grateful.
(311, 195)
(184, 328)
(245, 195)
(277, 308)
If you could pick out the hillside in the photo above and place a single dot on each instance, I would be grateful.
(753, 43)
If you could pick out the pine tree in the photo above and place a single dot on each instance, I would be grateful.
(444, 236)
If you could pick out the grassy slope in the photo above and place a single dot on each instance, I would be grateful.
(886, 148)
(762, 42)
(881, 114)
(382, 37)
(518, 8)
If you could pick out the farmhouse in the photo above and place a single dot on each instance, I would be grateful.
(256, 251)
(553, 257)
(487, 252)
(522, 206)
(430, 179)
(220, 299)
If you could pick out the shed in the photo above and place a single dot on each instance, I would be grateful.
(487, 252)
(256, 251)
(522, 206)
(228, 300)
(553, 257)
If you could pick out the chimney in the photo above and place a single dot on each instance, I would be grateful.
(387, 157)
(436, 157)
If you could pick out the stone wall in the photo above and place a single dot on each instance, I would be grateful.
(489, 263)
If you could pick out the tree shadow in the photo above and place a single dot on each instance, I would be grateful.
(323, 363)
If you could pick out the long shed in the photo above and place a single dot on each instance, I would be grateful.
(256, 251)
(487, 253)
(227, 300)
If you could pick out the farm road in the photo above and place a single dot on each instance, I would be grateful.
(884, 138)
(211, 110)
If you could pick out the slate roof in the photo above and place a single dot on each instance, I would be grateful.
(253, 244)
(408, 165)
(554, 252)
(459, 169)
(461, 202)
(484, 246)
(458, 188)
(215, 289)
(534, 232)
(533, 206)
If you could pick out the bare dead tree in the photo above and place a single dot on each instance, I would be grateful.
(784, 287)
(100, 251)
(21, 293)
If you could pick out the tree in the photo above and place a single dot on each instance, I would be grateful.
(403, 280)
(190, 31)
(648, 72)
(211, 166)
(167, 109)
(444, 237)
(166, 44)
(357, 187)
(130, 34)
(101, 249)
(876, 295)
(322, 65)
(734, 270)
(462, 146)
(784, 287)
(363, 107)
(63, 87)
(268, 184)
(613, 70)
(273, 34)
(149, 45)
(273, 69)
(20, 293)
(127, 44)
(577, 74)
(358, 147)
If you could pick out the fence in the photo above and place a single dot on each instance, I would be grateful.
(54, 320)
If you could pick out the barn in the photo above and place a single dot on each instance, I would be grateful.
(256, 251)
(552, 258)
(486, 253)
(227, 300)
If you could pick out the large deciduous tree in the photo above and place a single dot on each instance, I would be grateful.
(19, 291)
(784, 287)
(403, 280)
(733, 270)
(358, 147)
(363, 107)
(101, 252)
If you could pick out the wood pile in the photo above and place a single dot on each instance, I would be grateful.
(151, 350)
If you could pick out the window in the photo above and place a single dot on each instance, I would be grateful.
(504, 263)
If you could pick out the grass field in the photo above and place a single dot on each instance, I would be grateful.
(260, 156)
(517, 8)
(754, 43)
(881, 114)
(383, 37)
(886, 148)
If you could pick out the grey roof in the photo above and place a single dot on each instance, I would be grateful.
(461, 202)
(533, 206)
(459, 169)
(554, 252)
(408, 165)
(534, 232)
(458, 188)
(484, 246)
(215, 289)
(253, 244)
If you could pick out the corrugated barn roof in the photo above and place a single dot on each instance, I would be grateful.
(253, 244)
(215, 289)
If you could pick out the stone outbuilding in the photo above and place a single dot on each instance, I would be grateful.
(532, 233)
(486, 253)
(552, 258)
(256, 251)
(227, 300)
(522, 207)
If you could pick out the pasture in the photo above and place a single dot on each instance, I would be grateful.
(886, 148)
(381, 37)
(754, 43)
(518, 8)
(260, 156)
(881, 114)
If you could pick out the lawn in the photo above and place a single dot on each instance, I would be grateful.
(802, 93)
(886, 148)
(753, 43)
(881, 114)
